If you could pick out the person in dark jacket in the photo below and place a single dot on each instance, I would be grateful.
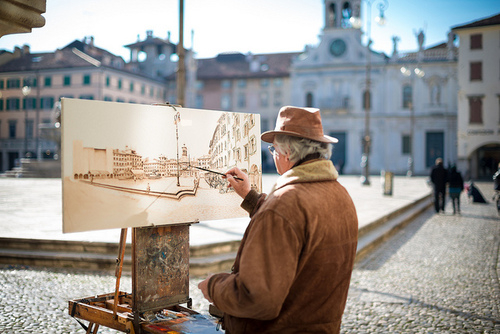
(439, 178)
(455, 188)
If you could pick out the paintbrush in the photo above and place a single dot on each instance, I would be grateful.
(212, 171)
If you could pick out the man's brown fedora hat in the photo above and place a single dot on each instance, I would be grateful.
(299, 122)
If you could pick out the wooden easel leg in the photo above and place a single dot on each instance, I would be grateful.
(119, 267)
(93, 328)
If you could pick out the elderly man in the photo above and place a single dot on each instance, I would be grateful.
(294, 264)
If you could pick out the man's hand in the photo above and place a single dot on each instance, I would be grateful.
(203, 286)
(242, 188)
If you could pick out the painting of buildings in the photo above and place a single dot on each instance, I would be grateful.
(131, 165)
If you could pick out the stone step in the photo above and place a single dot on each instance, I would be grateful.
(204, 259)
(103, 255)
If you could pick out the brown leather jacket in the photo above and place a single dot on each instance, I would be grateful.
(294, 264)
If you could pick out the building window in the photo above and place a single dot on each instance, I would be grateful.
(13, 83)
(264, 83)
(198, 101)
(1, 83)
(278, 82)
(1, 104)
(12, 129)
(278, 99)
(30, 82)
(476, 42)
(108, 98)
(225, 84)
(47, 81)
(406, 145)
(200, 85)
(86, 79)
(12, 104)
(309, 100)
(435, 90)
(367, 100)
(225, 102)
(29, 128)
(143, 89)
(407, 96)
(264, 99)
(47, 102)
(108, 81)
(131, 86)
(475, 110)
(29, 103)
(67, 80)
(86, 97)
(242, 83)
(476, 71)
(242, 100)
(120, 83)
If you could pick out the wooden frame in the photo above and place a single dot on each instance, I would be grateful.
(160, 282)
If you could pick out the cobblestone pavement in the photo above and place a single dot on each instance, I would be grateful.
(437, 275)
(440, 274)
(35, 300)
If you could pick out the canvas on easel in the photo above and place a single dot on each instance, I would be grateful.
(131, 165)
(156, 169)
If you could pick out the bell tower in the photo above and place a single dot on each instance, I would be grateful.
(339, 12)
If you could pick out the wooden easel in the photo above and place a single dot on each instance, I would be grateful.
(160, 280)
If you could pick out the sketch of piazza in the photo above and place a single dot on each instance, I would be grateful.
(233, 144)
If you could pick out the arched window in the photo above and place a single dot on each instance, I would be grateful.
(407, 96)
(367, 100)
(309, 100)
(331, 15)
(346, 14)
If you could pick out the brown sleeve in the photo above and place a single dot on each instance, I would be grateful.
(253, 201)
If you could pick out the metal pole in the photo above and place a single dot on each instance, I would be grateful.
(181, 66)
(365, 160)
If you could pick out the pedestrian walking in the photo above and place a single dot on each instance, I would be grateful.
(439, 178)
(293, 268)
(455, 188)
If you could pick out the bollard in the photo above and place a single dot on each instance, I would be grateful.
(387, 182)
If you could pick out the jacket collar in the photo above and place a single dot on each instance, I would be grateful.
(310, 171)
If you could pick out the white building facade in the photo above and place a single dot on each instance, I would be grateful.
(412, 108)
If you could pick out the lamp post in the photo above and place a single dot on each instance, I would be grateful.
(26, 90)
(181, 66)
(420, 74)
(356, 23)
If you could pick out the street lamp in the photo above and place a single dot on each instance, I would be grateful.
(420, 74)
(26, 90)
(356, 23)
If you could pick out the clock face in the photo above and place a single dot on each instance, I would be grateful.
(338, 47)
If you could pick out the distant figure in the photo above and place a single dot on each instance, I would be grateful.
(475, 194)
(456, 185)
(439, 177)
(148, 189)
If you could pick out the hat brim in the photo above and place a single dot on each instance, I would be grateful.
(268, 137)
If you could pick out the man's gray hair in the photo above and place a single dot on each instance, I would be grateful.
(299, 148)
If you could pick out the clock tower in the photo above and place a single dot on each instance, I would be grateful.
(332, 77)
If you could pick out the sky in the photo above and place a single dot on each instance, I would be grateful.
(257, 26)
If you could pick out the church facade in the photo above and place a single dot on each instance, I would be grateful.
(397, 113)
